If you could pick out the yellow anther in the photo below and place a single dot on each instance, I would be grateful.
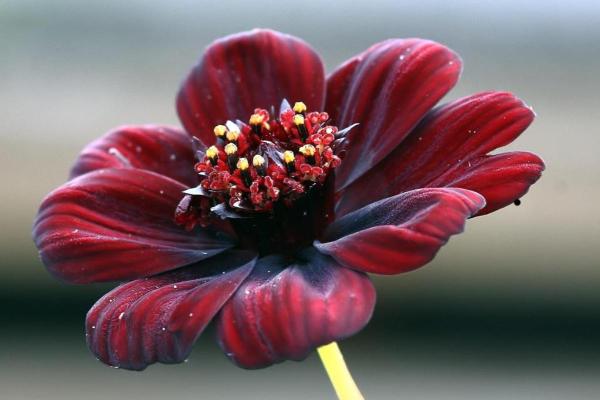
(299, 107)
(220, 130)
(212, 152)
(232, 136)
(298, 119)
(230, 149)
(308, 150)
(258, 160)
(242, 163)
(256, 119)
(288, 156)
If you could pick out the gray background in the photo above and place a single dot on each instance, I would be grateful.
(508, 310)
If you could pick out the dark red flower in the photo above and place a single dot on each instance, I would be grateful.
(270, 219)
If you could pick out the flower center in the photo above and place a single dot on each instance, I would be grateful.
(267, 176)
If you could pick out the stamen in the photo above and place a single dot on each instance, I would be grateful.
(233, 131)
(259, 164)
(289, 159)
(299, 122)
(232, 157)
(299, 107)
(233, 136)
(298, 119)
(308, 151)
(258, 160)
(212, 153)
(243, 165)
(220, 131)
(256, 119)
(230, 149)
(255, 122)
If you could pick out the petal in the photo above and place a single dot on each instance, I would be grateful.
(284, 311)
(164, 150)
(158, 319)
(453, 135)
(399, 233)
(501, 178)
(116, 224)
(241, 72)
(387, 89)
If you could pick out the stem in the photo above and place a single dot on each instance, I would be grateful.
(338, 373)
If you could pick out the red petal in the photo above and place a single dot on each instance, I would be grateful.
(400, 233)
(284, 311)
(158, 319)
(501, 179)
(116, 224)
(451, 136)
(241, 72)
(387, 89)
(164, 150)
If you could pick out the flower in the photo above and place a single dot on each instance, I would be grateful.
(270, 219)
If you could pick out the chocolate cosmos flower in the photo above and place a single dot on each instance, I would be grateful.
(269, 220)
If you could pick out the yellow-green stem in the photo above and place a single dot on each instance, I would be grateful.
(338, 373)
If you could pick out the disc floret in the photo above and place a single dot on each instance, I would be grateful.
(254, 166)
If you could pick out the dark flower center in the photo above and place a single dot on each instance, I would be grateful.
(268, 177)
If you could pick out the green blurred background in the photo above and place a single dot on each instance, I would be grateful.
(508, 310)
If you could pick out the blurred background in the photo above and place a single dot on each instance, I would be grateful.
(508, 310)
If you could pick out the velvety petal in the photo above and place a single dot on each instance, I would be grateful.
(116, 224)
(501, 178)
(450, 138)
(161, 149)
(244, 71)
(158, 319)
(399, 233)
(286, 309)
(387, 89)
